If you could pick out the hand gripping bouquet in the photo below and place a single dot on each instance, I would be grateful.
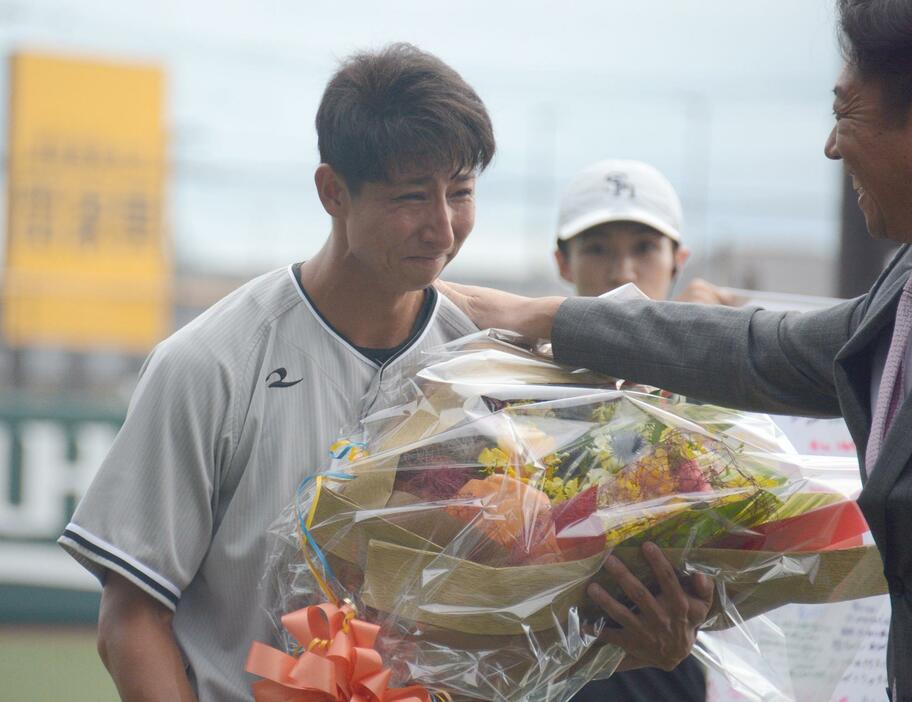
(447, 549)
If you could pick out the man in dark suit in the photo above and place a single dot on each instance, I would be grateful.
(853, 360)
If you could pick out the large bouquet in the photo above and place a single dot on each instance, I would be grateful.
(460, 525)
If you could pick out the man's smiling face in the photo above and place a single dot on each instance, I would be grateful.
(876, 146)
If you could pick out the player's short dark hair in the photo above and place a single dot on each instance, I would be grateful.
(876, 39)
(399, 110)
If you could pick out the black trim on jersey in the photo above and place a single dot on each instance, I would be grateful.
(382, 356)
(378, 357)
(133, 570)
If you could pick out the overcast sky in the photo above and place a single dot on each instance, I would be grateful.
(730, 99)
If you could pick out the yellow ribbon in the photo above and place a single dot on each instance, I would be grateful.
(305, 547)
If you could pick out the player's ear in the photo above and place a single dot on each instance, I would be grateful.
(681, 254)
(332, 190)
(563, 265)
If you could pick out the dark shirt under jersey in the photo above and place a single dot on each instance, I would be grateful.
(379, 356)
(686, 683)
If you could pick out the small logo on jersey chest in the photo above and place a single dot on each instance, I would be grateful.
(277, 378)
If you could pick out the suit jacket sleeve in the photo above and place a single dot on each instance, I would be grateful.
(746, 358)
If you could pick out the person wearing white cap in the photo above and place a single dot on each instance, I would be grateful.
(620, 222)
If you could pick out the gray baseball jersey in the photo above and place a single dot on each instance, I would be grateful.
(230, 413)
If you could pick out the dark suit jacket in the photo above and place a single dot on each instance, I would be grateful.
(812, 364)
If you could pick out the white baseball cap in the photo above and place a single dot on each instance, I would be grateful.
(619, 191)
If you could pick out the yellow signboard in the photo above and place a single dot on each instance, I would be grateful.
(87, 262)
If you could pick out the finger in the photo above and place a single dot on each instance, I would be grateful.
(702, 587)
(731, 299)
(636, 591)
(614, 609)
(457, 295)
(468, 291)
(450, 290)
(615, 637)
(667, 578)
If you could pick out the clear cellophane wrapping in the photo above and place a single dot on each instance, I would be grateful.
(467, 516)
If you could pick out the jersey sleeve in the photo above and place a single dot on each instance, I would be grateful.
(148, 514)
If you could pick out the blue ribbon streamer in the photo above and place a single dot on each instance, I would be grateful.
(302, 523)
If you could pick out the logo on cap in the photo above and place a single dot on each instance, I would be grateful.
(621, 184)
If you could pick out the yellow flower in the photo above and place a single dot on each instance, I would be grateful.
(604, 413)
(624, 488)
(559, 490)
(609, 462)
(755, 482)
(553, 488)
(652, 474)
(630, 528)
(492, 459)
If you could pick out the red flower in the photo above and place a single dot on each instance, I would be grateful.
(433, 482)
(575, 509)
(583, 535)
(690, 477)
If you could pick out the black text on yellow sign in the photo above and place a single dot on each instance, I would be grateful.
(87, 263)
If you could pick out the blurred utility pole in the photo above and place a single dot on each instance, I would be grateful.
(861, 258)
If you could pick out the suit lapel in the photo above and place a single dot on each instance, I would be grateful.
(853, 379)
(878, 316)
(853, 400)
(852, 367)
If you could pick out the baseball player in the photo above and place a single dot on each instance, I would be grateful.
(233, 410)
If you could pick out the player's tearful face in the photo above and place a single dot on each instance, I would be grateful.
(405, 231)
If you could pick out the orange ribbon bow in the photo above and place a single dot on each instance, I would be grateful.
(339, 664)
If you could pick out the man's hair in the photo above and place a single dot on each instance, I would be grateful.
(399, 110)
(876, 39)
